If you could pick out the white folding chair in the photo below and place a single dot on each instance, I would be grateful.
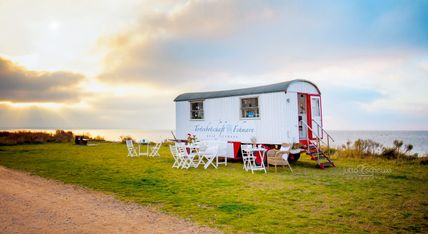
(155, 150)
(200, 150)
(247, 157)
(177, 159)
(132, 152)
(210, 154)
(194, 156)
(186, 160)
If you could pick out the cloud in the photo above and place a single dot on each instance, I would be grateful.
(201, 41)
(189, 43)
(366, 56)
(104, 111)
(20, 85)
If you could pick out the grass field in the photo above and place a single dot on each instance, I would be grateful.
(357, 196)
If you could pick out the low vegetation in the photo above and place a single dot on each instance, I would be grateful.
(30, 137)
(359, 195)
(362, 148)
(27, 137)
(123, 139)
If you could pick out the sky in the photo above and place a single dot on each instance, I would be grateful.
(120, 64)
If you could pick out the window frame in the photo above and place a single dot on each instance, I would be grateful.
(258, 108)
(318, 106)
(191, 110)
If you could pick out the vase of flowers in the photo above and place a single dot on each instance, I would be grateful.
(191, 138)
(253, 141)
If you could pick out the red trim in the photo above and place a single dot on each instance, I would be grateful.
(309, 115)
(322, 125)
(236, 146)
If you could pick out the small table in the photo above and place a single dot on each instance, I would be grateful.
(146, 153)
(253, 166)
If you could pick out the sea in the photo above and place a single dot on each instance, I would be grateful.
(419, 139)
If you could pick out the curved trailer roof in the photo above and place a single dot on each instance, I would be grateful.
(273, 88)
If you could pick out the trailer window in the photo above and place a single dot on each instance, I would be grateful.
(315, 103)
(250, 108)
(197, 110)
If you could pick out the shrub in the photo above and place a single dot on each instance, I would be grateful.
(63, 136)
(369, 148)
(98, 138)
(27, 137)
(123, 139)
(389, 153)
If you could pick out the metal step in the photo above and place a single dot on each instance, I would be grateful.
(326, 164)
(321, 157)
(315, 152)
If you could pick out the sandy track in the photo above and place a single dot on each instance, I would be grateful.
(31, 204)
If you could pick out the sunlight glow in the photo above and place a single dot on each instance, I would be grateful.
(93, 86)
(46, 105)
(50, 105)
(55, 25)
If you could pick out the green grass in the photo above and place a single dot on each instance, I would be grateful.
(357, 196)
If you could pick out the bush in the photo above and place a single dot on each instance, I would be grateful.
(98, 139)
(369, 148)
(63, 136)
(27, 137)
(123, 139)
(389, 153)
(424, 160)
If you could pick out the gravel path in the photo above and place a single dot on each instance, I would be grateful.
(31, 204)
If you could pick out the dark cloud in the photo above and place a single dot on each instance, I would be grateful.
(20, 85)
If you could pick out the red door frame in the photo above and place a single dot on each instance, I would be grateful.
(309, 115)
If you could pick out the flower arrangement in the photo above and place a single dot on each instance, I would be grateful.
(191, 138)
(253, 141)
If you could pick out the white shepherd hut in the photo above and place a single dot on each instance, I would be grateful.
(289, 112)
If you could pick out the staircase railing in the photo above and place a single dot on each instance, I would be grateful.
(319, 127)
(318, 145)
(318, 138)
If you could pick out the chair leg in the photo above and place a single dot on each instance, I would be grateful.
(290, 167)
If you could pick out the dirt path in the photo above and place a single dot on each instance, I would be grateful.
(30, 204)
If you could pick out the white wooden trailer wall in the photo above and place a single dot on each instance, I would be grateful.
(278, 120)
